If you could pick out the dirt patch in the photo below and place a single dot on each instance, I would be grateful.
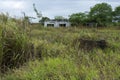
(88, 44)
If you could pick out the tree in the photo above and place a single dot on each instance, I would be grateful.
(116, 14)
(39, 15)
(44, 19)
(101, 14)
(59, 18)
(78, 19)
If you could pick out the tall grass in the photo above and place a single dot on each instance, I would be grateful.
(61, 58)
(97, 64)
(14, 44)
(51, 69)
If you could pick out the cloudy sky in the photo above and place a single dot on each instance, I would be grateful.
(50, 8)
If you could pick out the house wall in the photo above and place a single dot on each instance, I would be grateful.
(57, 23)
(48, 22)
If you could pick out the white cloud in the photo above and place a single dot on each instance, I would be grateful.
(13, 4)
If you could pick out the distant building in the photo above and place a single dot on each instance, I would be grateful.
(57, 23)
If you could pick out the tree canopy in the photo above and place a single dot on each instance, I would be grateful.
(44, 19)
(59, 18)
(116, 14)
(101, 14)
(78, 18)
(39, 14)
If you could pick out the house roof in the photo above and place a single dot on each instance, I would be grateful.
(59, 20)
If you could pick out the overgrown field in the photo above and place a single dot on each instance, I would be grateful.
(58, 54)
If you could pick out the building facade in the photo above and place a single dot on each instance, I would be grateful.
(56, 23)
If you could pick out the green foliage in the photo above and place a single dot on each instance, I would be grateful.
(61, 58)
(14, 45)
(116, 14)
(44, 19)
(59, 54)
(101, 14)
(51, 69)
(78, 19)
(59, 18)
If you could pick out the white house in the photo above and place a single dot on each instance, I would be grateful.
(57, 23)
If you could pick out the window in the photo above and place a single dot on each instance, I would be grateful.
(62, 25)
(50, 25)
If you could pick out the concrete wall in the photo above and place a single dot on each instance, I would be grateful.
(57, 23)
